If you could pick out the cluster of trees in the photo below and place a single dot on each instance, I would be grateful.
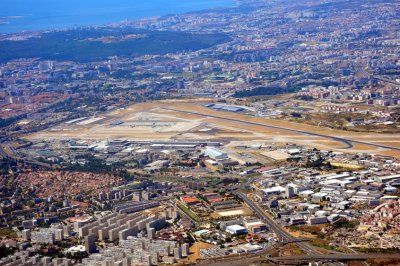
(5, 251)
(75, 44)
(7, 164)
(11, 120)
(95, 165)
(261, 91)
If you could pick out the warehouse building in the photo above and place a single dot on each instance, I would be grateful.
(215, 154)
(236, 229)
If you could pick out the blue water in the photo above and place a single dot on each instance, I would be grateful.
(20, 15)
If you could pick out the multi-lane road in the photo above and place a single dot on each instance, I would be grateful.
(6, 151)
(312, 253)
(349, 143)
(390, 81)
(279, 231)
(334, 257)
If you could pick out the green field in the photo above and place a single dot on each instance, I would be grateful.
(73, 45)
(188, 212)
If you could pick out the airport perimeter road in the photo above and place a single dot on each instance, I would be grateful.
(348, 142)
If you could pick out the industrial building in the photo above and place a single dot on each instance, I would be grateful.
(215, 154)
(236, 229)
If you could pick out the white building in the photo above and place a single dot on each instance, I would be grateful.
(236, 229)
(215, 154)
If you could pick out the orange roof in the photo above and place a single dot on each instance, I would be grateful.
(189, 199)
(216, 200)
(14, 106)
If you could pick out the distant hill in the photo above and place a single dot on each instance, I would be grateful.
(89, 44)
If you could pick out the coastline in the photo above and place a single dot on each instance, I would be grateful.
(11, 23)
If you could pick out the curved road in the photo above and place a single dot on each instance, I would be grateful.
(348, 142)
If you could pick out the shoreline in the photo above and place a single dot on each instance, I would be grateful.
(7, 20)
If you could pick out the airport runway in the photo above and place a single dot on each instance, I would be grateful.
(348, 142)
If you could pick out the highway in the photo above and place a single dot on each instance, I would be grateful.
(313, 254)
(348, 142)
(335, 257)
(393, 82)
(257, 259)
(6, 151)
(273, 226)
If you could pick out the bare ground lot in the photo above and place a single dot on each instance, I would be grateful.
(156, 121)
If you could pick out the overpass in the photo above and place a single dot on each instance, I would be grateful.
(298, 260)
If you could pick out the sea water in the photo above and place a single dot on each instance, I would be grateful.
(30, 15)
